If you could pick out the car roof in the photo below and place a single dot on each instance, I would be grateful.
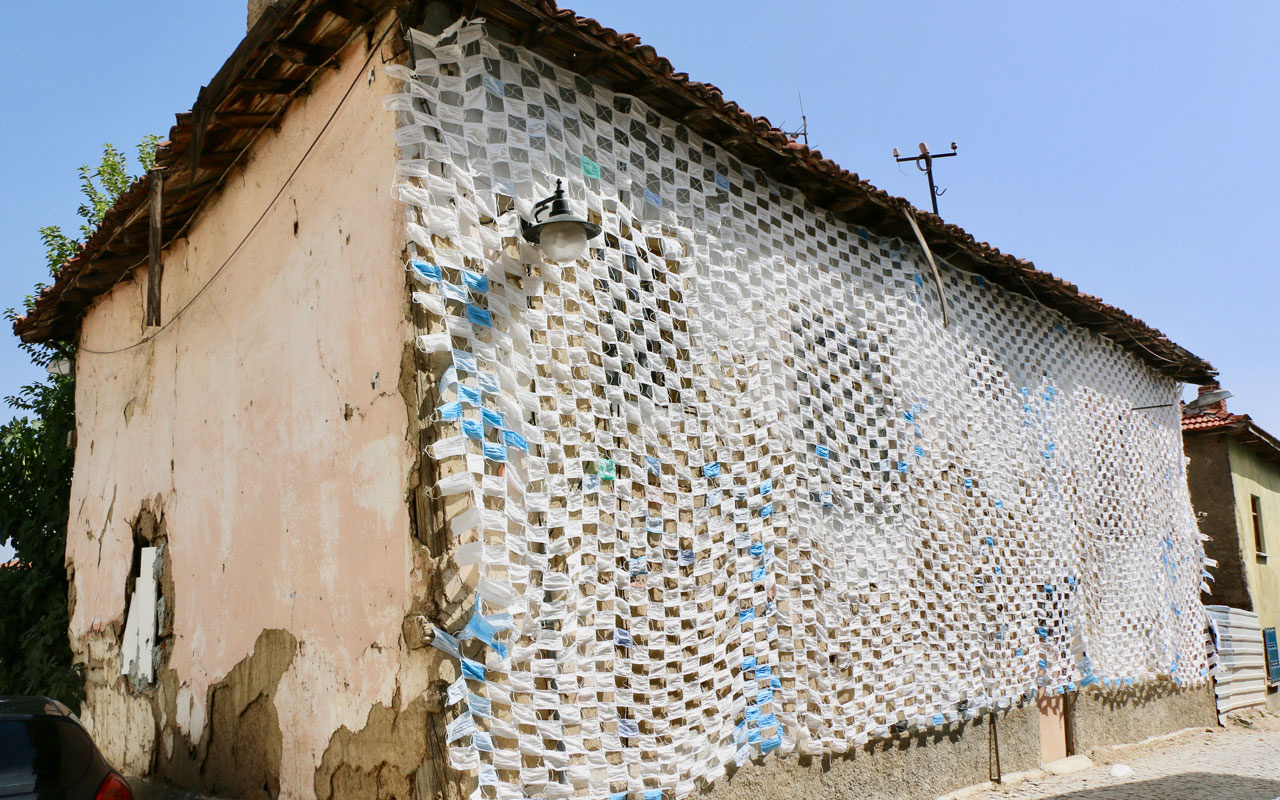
(32, 706)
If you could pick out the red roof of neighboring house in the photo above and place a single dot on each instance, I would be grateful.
(12, 563)
(296, 39)
(1201, 422)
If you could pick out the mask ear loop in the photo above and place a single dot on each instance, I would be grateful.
(436, 418)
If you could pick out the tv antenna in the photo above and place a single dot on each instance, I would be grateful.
(803, 133)
(924, 163)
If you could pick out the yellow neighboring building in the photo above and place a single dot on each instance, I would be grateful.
(1234, 476)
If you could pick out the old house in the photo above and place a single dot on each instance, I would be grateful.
(376, 496)
(1234, 476)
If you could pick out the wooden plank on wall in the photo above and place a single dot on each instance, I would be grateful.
(155, 265)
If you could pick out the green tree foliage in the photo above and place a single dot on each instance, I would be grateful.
(35, 476)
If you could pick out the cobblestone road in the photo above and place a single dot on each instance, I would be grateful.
(1236, 764)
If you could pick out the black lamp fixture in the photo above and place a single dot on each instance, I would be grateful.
(563, 235)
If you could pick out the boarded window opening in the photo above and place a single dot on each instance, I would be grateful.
(147, 614)
(1259, 540)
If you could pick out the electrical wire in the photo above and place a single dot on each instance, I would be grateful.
(937, 277)
(374, 50)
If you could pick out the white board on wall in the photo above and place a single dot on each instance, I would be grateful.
(140, 627)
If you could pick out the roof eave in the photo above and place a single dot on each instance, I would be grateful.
(621, 60)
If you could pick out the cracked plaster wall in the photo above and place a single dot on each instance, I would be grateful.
(267, 425)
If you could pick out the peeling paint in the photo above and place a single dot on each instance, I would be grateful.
(241, 753)
(239, 749)
(270, 465)
(381, 760)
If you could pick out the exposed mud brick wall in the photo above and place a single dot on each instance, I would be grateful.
(381, 759)
(238, 752)
(1213, 494)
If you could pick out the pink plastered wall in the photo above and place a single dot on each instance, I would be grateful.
(265, 422)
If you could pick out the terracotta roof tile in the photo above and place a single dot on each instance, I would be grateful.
(1200, 422)
(1240, 427)
(58, 311)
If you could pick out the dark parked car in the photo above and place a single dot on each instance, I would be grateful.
(46, 754)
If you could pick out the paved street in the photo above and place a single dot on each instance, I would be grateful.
(1236, 764)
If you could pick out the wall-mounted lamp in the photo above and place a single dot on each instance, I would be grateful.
(1200, 404)
(562, 236)
(1206, 399)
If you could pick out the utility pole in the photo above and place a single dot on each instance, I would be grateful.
(924, 163)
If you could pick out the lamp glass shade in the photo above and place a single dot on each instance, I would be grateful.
(1208, 398)
(563, 241)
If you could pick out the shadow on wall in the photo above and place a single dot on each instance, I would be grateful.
(951, 732)
(1141, 694)
(907, 765)
(1101, 717)
(1189, 786)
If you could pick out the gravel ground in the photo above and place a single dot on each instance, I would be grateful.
(1241, 762)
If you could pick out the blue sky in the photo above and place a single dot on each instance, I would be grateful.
(1127, 147)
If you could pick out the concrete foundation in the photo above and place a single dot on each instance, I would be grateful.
(1100, 718)
(905, 767)
(934, 763)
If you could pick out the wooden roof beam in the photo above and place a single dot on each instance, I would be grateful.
(347, 10)
(533, 36)
(591, 64)
(244, 119)
(841, 204)
(697, 114)
(113, 265)
(269, 86)
(308, 55)
(636, 87)
(218, 159)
